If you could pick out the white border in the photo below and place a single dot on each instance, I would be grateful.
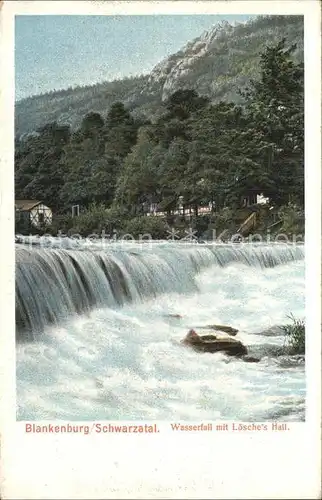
(164, 465)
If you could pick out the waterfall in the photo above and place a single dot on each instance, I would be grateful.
(53, 283)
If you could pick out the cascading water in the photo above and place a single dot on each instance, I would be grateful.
(95, 339)
(53, 283)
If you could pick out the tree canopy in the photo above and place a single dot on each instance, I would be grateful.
(196, 151)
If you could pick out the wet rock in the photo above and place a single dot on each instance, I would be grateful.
(220, 328)
(290, 361)
(280, 354)
(273, 331)
(267, 350)
(99, 384)
(214, 343)
(251, 359)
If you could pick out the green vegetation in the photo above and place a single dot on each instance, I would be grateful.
(145, 227)
(294, 335)
(292, 217)
(195, 151)
(94, 219)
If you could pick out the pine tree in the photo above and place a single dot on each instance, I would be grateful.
(275, 104)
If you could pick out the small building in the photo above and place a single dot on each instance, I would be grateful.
(254, 197)
(33, 213)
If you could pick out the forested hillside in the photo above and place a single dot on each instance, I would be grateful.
(114, 166)
(217, 64)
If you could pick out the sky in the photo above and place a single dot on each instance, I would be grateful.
(55, 52)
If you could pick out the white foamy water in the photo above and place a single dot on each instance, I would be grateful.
(125, 361)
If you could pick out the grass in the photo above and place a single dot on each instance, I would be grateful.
(295, 335)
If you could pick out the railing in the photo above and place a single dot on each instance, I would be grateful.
(183, 212)
(248, 224)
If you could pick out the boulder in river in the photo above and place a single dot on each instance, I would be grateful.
(251, 359)
(273, 331)
(213, 343)
(221, 328)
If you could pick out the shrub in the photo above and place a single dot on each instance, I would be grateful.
(156, 227)
(116, 217)
(292, 217)
(60, 223)
(225, 215)
(201, 224)
(295, 335)
(96, 219)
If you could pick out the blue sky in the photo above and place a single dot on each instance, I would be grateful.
(54, 52)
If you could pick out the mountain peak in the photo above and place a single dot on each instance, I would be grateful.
(172, 69)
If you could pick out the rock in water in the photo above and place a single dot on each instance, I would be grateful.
(226, 329)
(221, 328)
(251, 359)
(273, 331)
(213, 343)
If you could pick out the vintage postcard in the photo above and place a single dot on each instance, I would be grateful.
(160, 280)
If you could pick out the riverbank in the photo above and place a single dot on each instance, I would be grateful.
(257, 222)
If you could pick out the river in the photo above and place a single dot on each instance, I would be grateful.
(96, 339)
